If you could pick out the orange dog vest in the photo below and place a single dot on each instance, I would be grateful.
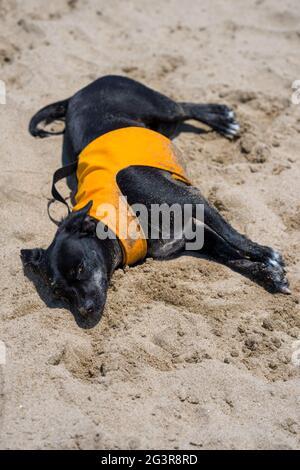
(98, 166)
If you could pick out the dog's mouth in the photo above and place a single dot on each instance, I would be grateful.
(85, 317)
(87, 313)
(87, 320)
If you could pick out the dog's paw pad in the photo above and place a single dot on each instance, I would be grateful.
(275, 276)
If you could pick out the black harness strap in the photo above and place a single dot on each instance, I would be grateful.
(60, 174)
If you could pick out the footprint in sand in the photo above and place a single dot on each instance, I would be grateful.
(8, 52)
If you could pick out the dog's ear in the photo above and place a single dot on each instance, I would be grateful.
(89, 226)
(79, 221)
(32, 257)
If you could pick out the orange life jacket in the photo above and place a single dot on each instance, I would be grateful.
(98, 166)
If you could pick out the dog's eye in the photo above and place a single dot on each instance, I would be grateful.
(80, 269)
(57, 291)
(75, 273)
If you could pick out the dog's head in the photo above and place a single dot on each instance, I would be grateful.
(74, 266)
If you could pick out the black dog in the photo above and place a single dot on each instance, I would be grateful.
(78, 265)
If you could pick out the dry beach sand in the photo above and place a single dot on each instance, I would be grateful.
(188, 354)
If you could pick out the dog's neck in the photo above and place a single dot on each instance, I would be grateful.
(113, 255)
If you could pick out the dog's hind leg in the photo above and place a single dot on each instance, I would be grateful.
(269, 276)
(150, 186)
(217, 116)
(138, 183)
(246, 247)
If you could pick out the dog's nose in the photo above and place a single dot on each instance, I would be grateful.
(89, 307)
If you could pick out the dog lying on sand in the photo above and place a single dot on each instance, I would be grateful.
(117, 137)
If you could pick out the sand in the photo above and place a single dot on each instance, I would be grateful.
(189, 354)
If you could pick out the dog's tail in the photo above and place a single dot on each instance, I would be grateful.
(52, 112)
